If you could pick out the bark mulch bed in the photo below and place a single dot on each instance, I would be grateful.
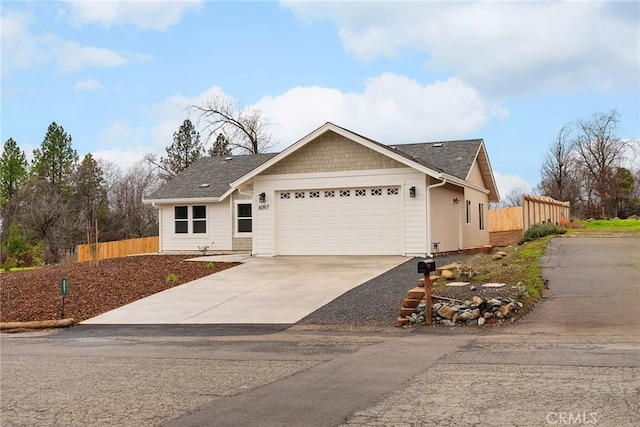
(30, 295)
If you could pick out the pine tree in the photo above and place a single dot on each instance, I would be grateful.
(185, 150)
(13, 170)
(55, 160)
(220, 147)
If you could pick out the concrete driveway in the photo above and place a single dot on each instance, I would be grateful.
(261, 290)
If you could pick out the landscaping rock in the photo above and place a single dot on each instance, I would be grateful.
(494, 302)
(446, 312)
(447, 274)
(494, 285)
(457, 284)
(469, 314)
(477, 301)
(481, 321)
(505, 310)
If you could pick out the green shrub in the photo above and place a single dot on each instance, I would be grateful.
(17, 251)
(172, 277)
(541, 230)
(211, 266)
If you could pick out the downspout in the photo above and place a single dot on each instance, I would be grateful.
(244, 193)
(429, 187)
(159, 226)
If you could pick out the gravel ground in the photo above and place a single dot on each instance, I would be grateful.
(376, 302)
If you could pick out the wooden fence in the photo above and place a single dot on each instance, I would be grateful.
(505, 219)
(120, 248)
(540, 209)
(506, 225)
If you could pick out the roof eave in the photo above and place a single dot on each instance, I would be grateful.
(186, 200)
(462, 183)
(487, 172)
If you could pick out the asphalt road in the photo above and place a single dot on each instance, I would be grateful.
(574, 360)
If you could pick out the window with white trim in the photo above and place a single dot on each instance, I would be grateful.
(481, 215)
(376, 192)
(244, 219)
(284, 195)
(392, 191)
(181, 217)
(345, 193)
(199, 214)
(329, 193)
(299, 194)
(468, 211)
(314, 194)
(360, 193)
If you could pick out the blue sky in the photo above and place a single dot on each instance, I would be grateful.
(119, 75)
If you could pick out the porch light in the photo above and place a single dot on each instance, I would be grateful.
(412, 192)
(262, 197)
(455, 201)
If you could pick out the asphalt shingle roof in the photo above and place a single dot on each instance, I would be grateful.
(210, 176)
(452, 157)
(217, 172)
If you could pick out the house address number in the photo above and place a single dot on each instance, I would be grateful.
(263, 207)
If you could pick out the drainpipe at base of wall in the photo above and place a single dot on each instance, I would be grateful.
(429, 187)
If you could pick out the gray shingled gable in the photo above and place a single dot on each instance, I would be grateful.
(218, 172)
(452, 157)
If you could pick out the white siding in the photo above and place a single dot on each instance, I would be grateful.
(218, 229)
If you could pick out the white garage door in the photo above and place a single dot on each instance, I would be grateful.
(350, 221)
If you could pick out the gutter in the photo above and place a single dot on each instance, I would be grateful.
(429, 187)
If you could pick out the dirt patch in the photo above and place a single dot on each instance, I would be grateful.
(35, 294)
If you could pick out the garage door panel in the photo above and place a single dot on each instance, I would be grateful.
(367, 221)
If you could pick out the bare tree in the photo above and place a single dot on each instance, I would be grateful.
(130, 216)
(43, 211)
(514, 198)
(599, 152)
(243, 128)
(558, 169)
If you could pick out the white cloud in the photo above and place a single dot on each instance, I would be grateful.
(24, 49)
(72, 57)
(502, 47)
(171, 113)
(122, 144)
(506, 183)
(142, 14)
(88, 84)
(120, 133)
(123, 158)
(391, 109)
(21, 49)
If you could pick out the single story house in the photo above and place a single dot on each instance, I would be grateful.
(333, 192)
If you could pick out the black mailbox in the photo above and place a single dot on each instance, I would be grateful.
(426, 266)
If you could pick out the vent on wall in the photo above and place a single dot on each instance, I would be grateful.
(437, 145)
(205, 185)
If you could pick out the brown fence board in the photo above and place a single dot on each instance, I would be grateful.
(505, 219)
(117, 249)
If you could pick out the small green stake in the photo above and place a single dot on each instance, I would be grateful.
(63, 291)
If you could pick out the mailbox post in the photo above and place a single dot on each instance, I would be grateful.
(426, 266)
